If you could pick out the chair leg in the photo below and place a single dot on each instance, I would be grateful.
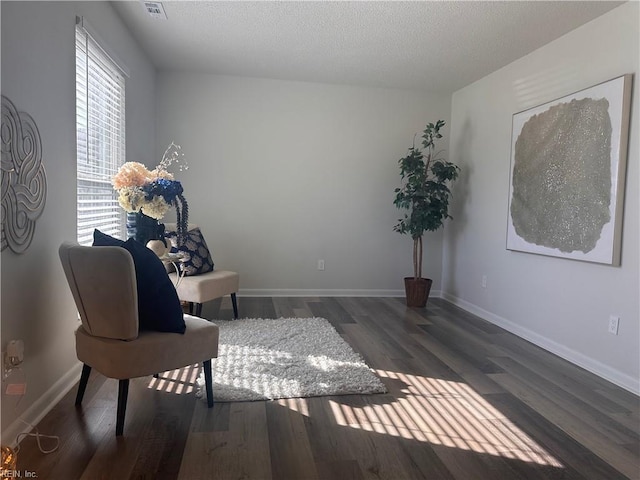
(82, 386)
(234, 301)
(123, 392)
(198, 309)
(208, 382)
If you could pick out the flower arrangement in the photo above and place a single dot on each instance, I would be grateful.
(154, 192)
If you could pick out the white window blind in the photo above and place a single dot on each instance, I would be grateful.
(100, 131)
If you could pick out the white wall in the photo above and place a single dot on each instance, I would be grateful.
(562, 305)
(285, 173)
(38, 76)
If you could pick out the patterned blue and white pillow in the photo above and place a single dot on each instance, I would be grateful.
(196, 256)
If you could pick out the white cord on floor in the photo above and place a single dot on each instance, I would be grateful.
(38, 436)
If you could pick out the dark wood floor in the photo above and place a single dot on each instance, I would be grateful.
(466, 400)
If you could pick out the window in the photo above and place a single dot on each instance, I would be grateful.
(100, 132)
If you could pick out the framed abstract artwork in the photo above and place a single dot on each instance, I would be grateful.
(567, 176)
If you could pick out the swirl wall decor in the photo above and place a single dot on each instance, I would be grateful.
(24, 183)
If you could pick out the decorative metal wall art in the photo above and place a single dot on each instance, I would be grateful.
(24, 183)
(568, 162)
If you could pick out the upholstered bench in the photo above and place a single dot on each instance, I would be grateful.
(203, 287)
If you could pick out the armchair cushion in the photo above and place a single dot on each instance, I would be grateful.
(197, 257)
(159, 308)
(151, 352)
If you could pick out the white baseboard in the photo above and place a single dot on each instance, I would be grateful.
(301, 292)
(38, 409)
(612, 375)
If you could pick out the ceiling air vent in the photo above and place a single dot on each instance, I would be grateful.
(155, 10)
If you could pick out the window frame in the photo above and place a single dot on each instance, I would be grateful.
(100, 136)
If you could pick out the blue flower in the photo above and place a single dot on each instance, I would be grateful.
(161, 187)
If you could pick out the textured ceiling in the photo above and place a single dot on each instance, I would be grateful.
(437, 46)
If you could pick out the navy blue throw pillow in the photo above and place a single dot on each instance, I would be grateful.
(159, 308)
(103, 240)
(196, 257)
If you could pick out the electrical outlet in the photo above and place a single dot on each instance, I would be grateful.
(614, 322)
(320, 264)
(484, 281)
(13, 355)
(15, 352)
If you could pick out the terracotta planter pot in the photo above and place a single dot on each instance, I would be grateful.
(417, 291)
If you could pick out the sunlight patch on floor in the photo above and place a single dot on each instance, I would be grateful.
(180, 381)
(446, 413)
(296, 404)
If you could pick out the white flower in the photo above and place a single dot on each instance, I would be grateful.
(155, 208)
(131, 198)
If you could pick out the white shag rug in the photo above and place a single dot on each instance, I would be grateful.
(265, 359)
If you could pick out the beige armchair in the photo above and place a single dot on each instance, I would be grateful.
(201, 288)
(103, 283)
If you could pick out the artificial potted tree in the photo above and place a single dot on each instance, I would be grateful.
(424, 195)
